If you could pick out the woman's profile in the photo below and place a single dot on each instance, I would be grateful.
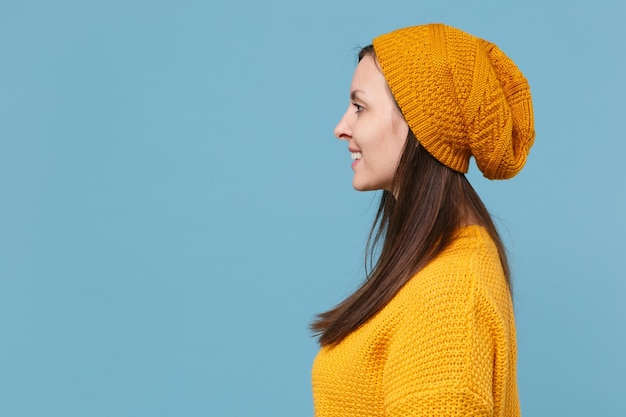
(431, 330)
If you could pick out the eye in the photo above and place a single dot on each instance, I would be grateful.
(357, 107)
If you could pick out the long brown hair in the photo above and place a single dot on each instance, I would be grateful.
(432, 202)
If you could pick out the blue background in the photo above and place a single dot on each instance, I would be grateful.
(174, 208)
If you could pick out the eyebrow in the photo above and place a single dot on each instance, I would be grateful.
(354, 94)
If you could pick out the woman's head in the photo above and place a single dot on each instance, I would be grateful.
(460, 95)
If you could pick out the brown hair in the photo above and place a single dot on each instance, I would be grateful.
(432, 202)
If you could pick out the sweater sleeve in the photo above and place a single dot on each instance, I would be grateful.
(443, 358)
(441, 403)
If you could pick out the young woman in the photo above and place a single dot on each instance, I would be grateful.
(431, 331)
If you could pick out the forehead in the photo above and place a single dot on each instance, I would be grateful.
(368, 78)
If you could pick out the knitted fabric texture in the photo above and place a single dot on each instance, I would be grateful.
(443, 346)
(461, 96)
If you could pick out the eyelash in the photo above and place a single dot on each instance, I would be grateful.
(358, 107)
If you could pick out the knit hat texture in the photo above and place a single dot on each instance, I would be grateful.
(461, 96)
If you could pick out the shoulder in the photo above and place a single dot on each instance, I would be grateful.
(465, 273)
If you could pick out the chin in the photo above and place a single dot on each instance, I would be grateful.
(365, 187)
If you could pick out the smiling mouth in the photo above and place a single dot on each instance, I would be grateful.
(356, 155)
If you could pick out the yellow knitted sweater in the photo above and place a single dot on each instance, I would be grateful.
(444, 345)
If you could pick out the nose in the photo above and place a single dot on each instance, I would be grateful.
(342, 130)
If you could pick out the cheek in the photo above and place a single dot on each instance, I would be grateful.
(400, 133)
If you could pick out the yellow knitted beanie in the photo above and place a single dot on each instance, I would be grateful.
(461, 96)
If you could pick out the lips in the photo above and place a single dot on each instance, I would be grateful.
(356, 156)
(355, 153)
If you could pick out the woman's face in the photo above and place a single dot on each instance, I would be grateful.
(373, 127)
